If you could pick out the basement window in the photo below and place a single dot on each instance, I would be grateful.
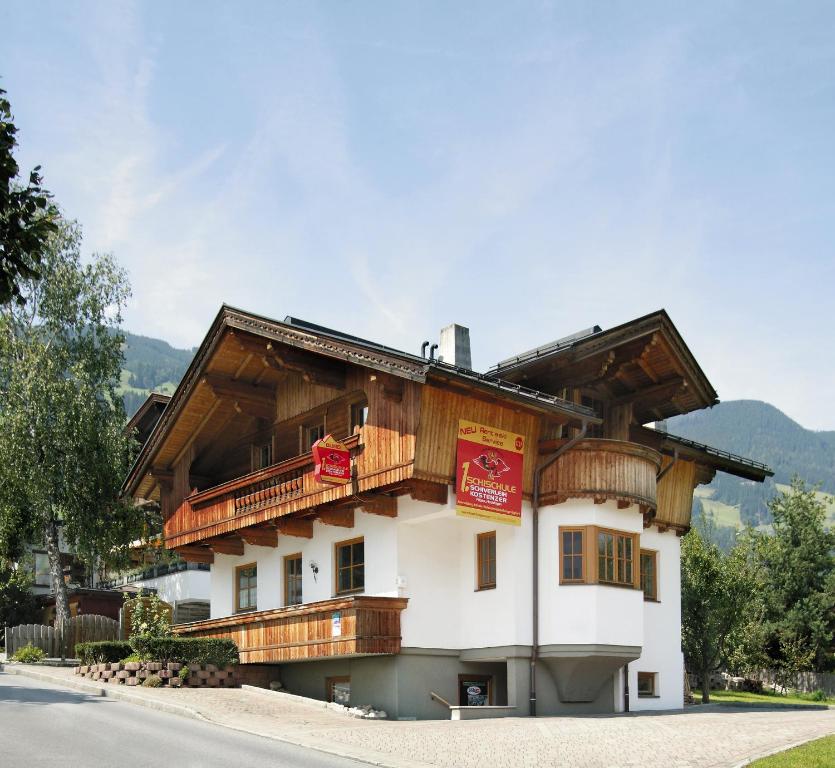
(647, 684)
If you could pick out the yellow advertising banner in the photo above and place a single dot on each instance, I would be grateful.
(489, 473)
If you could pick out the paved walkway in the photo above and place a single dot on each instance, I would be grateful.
(711, 738)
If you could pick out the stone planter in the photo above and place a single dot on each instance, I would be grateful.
(134, 672)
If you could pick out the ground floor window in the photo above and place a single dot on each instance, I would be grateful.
(647, 684)
(649, 578)
(475, 690)
(246, 587)
(486, 546)
(350, 566)
(339, 690)
(293, 579)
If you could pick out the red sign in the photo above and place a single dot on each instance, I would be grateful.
(333, 461)
(489, 481)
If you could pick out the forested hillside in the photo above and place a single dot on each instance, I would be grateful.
(759, 431)
(151, 365)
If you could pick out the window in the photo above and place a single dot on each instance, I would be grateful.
(310, 434)
(42, 576)
(572, 555)
(262, 455)
(339, 690)
(350, 566)
(615, 561)
(246, 587)
(293, 579)
(646, 684)
(649, 574)
(486, 549)
(359, 415)
(475, 690)
(614, 557)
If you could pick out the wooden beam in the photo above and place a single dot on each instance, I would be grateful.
(599, 500)
(379, 504)
(295, 526)
(230, 545)
(313, 368)
(196, 554)
(260, 537)
(434, 493)
(662, 391)
(622, 504)
(344, 518)
(164, 477)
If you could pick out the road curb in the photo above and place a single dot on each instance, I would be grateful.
(98, 690)
(360, 755)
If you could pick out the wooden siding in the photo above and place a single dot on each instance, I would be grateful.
(604, 470)
(438, 432)
(369, 625)
(675, 494)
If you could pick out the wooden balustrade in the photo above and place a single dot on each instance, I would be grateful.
(288, 486)
(350, 626)
(603, 470)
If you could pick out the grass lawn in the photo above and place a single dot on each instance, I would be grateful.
(815, 754)
(730, 697)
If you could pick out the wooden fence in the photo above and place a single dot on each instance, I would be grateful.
(806, 682)
(56, 643)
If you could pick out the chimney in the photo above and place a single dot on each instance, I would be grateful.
(455, 346)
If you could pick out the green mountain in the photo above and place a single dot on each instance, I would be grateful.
(759, 431)
(151, 365)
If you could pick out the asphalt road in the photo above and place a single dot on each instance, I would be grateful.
(44, 725)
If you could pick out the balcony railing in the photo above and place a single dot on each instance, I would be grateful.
(603, 470)
(350, 626)
(285, 487)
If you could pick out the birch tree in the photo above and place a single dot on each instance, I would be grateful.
(63, 452)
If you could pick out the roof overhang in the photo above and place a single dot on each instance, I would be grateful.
(644, 361)
(236, 328)
(704, 455)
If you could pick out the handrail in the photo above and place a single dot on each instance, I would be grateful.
(440, 699)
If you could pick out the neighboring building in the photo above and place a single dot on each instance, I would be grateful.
(376, 591)
(184, 586)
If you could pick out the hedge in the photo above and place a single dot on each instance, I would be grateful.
(183, 650)
(103, 651)
(186, 650)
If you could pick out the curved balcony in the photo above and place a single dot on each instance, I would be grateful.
(603, 470)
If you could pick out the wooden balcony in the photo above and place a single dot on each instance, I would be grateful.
(603, 470)
(349, 626)
(256, 498)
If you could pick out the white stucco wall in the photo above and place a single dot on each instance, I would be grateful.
(429, 555)
(579, 613)
(183, 585)
(662, 628)
(380, 538)
(437, 562)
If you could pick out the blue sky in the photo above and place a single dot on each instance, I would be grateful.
(526, 169)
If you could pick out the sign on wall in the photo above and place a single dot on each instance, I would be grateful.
(489, 473)
(333, 461)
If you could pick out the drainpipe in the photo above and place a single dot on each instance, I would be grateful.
(537, 475)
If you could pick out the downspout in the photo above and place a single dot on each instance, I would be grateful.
(537, 475)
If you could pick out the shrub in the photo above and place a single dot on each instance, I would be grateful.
(131, 657)
(148, 615)
(184, 673)
(819, 695)
(102, 651)
(29, 654)
(186, 650)
(152, 681)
